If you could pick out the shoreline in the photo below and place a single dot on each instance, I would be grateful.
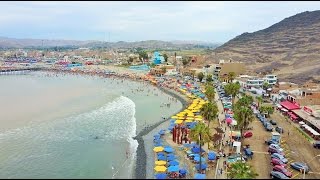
(141, 165)
(140, 168)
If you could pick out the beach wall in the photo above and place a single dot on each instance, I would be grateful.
(141, 162)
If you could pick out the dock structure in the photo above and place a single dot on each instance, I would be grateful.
(17, 71)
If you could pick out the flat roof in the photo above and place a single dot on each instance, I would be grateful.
(312, 120)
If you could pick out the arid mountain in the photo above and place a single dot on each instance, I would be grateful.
(290, 48)
(27, 43)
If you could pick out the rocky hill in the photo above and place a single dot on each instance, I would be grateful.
(289, 48)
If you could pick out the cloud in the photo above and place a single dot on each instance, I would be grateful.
(198, 20)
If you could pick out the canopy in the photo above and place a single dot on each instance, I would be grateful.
(228, 120)
(199, 176)
(211, 156)
(160, 168)
(183, 171)
(168, 149)
(163, 158)
(173, 168)
(197, 159)
(289, 105)
(179, 121)
(158, 149)
(171, 158)
(161, 176)
(196, 149)
(160, 163)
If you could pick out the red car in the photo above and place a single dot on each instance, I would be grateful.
(282, 170)
(275, 161)
(247, 134)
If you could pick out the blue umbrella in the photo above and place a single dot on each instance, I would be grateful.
(168, 149)
(161, 132)
(156, 136)
(183, 171)
(161, 158)
(203, 166)
(211, 155)
(170, 154)
(171, 158)
(160, 154)
(173, 163)
(173, 168)
(161, 176)
(198, 159)
(157, 144)
(200, 176)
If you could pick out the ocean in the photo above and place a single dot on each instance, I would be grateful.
(72, 126)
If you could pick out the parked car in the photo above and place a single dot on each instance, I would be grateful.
(316, 144)
(272, 150)
(269, 127)
(247, 134)
(276, 146)
(280, 157)
(278, 175)
(275, 161)
(279, 129)
(300, 166)
(282, 170)
(271, 141)
(273, 122)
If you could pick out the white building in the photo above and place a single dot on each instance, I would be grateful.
(271, 79)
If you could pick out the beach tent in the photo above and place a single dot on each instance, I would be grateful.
(160, 163)
(161, 176)
(173, 168)
(160, 168)
(199, 176)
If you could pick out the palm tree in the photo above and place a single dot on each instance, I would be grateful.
(200, 133)
(232, 89)
(209, 111)
(266, 109)
(260, 100)
(210, 93)
(241, 170)
(200, 76)
(209, 78)
(245, 100)
(231, 76)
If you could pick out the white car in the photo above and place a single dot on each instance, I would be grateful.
(276, 146)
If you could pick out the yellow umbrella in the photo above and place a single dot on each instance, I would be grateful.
(198, 116)
(191, 115)
(188, 121)
(160, 168)
(160, 163)
(174, 117)
(198, 119)
(158, 149)
(178, 121)
(189, 118)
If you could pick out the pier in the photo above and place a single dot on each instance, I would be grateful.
(16, 71)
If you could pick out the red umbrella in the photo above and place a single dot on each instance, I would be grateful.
(228, 120)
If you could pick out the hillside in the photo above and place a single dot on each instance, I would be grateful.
(289, 48)
(150, 44)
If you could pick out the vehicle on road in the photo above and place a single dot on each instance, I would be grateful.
(269, 127)
(247, 134)
(316, 144)
(280, 157)
(276, 146)
(279, 129)
(273, 122)
(272, 150)
(271, 141)
(300, 166)
(275, 161)
(282, 170)
(278, 175)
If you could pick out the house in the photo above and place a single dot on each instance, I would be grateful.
(271, 79)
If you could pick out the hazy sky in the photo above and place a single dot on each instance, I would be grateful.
(136, 21)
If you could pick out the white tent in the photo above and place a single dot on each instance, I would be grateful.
(284, 109)
(237, 144)
(301, 122)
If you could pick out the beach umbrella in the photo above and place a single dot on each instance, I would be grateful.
(158, 149)
(160, 163)
(170, 154)
(160, 168)
(196, 149)
(171, 158)
(197, 159)
(211, 155)
(161, 158)
(158, 144)
(183, 171)
(188, 121)
(157, 136)
(161, 132)
(173, 168)
(198, 119)
(189, 118)
(161, 154)
(168, 149)
(161, 176)
(174, 117)
(199, 176)
(173, 163)
(179, 121)
(203, 166)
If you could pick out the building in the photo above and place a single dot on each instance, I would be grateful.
(271, 79)
(157, 58)
(222, 69)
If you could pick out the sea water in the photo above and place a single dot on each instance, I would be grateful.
(72, 126)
